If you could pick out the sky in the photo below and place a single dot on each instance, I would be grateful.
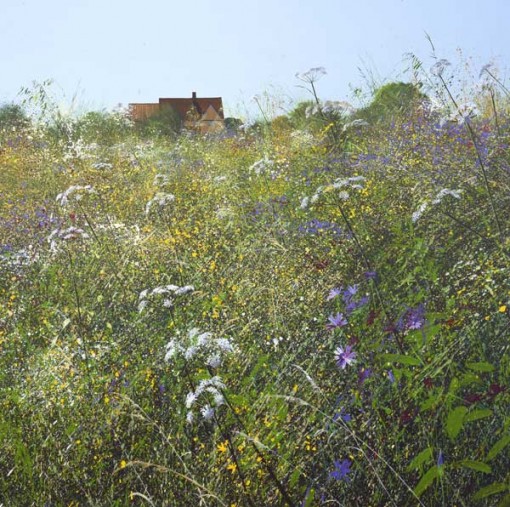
(110, 52)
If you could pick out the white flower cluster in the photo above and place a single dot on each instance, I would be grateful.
(212, 350)
(437, 199)
(160, 180)
(439, 67)
(354, 182)
(170, 292)
(355, 124)
(71, 233)
(76, 191)
(311, 75)
(261, 166)
(161, 199)
(330, 106)
(102, 165)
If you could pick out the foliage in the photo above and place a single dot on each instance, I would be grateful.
(258, 318)
(392, 100)
(12, 116)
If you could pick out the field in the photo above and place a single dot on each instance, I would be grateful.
(312, 314)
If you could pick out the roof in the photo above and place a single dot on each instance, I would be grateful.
(200, 105)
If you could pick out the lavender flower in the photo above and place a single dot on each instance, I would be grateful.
(344, 357)
(335, 321)
(415, 318)
(333, 293)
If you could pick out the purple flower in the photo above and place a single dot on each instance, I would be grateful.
(342, 415)
(350, 292)
(341, 471)
(335, 321)
(391, 377)
(440, 458)
(364, 374)
(415, 318)
(333, 293)
(345, 356)
(370, 275)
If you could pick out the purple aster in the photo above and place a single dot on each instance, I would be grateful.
(350, 292)
(337, 320)
(345, 356)
(341, 471)
(391, 377)
(333, 293)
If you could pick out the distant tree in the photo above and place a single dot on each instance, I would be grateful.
(109, 127)
(298, 116)
(166, 123)
(392, 100)
(13, 116)
(232, 124)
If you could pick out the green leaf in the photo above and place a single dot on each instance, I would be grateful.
(423, 457)
(492, 489)
(310, 497)
(479, 466)
(482, 366)
(498, 447)
(429, 403)
(401, 358)
(455, 421)
(478, 414)
(505, 502)
(426, 480)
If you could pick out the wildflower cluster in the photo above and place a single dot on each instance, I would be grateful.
(209, 351)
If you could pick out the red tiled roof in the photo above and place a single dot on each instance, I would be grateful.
(199, 104)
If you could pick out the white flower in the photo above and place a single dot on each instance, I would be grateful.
(214, 361)
(261, 166)
(168, 303)
(305, 202)
(419, 212)
(343, 195)
(190, 352)
(161, 199)
(191, 397)
(64, 197)
(207, 412)
(190, 417)
(218, 399)
(172, 348)
(180, 291)
(224, 345)
(311, 75)
(438, 68)
(203, 339)
(444, 192)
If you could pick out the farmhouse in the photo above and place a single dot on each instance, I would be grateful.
(204, 114)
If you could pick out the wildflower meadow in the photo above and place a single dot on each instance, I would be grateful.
(313, 309)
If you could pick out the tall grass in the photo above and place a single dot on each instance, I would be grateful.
(273, 317)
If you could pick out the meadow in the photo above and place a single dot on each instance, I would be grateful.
(311, 310)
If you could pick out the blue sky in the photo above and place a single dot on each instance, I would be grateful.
(119, 51)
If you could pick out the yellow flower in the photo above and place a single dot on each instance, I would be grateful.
(502, 308)
(123, 463)
(222, 447)
(232, 467)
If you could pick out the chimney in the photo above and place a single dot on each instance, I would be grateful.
(193, 95)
